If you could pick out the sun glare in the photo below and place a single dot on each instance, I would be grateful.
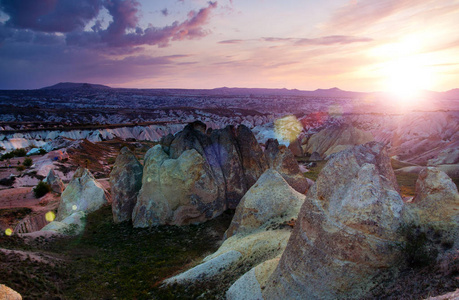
(405, 79)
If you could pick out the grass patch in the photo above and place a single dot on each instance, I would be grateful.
(116, 260)
(314, 172)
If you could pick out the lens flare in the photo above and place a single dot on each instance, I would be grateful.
(9, 231)
(74, 207)
(287, 128)
(50, 216)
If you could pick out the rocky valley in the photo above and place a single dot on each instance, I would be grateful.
(227, 194)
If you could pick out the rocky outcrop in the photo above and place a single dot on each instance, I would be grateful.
(253, 160)
(176, 191)
(336, 138)
(8, 293)
(71, 225)
(55, 182)
(125, 184)
(83, 193)
(346, 232)
(230, 161)
(271, 199)
(259, 231)
(435, 207)
(283, 161)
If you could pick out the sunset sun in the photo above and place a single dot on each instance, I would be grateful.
(405, 79)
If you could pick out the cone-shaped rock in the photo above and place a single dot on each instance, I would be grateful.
(83, 193)
(229, 158)
(55, 182)
(270, 199)
(346, 232)
(253, 160)
(125, 183)
(282, 160)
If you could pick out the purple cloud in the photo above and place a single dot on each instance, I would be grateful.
(231, 42)
(50, 15)
(70, 17)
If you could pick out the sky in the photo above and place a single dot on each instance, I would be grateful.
(358, 45)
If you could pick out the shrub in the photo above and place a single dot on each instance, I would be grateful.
(41, 189)
(20, 168)
(27, 162)
(21, 152)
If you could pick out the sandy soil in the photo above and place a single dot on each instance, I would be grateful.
(18, 197)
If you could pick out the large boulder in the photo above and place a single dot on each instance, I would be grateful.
(125, 184)
(8, 293)
(259, 231)
(72, 225)
(270, 199)
(176, 191)
(435, 207)
(83, 193)
(230, 161)
(55, 182)
(346, 235)
(282, 160)
(253, 160)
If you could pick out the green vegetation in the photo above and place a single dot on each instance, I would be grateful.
(21, 152)
(115, 260)
(28, 162)
(41, 189)
(20, 168)
(314, 171)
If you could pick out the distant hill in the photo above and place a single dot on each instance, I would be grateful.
(333, 92)
(74, 85)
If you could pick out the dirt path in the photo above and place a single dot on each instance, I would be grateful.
(18, 197)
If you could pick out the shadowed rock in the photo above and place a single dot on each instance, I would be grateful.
(55, 182)
(346, 232)
(83, 193)
(315, 156)
(125, 183)
(282, 160)
(253, 160)
(230, 162)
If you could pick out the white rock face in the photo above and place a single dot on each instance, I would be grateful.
(72, 225)
(83, 193)
(176, 191)
(258, 231)
(271, 199)
(55, 182)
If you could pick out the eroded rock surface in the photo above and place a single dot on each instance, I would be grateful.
(258, 232)
(176, 191)
(83, 193)
(346, 232)
(283, 161)
(55, 182)
(8, 293)
(125, 184)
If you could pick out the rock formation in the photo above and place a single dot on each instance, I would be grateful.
(337, 138)
(435, 207)
(227, 162)
(83, 193)
(346, 232)
(282, 160)
(176, 191)
(258, 232)
(271, 199)
(125, 184)
(8, 293)
(55, 182)
(71, 225)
